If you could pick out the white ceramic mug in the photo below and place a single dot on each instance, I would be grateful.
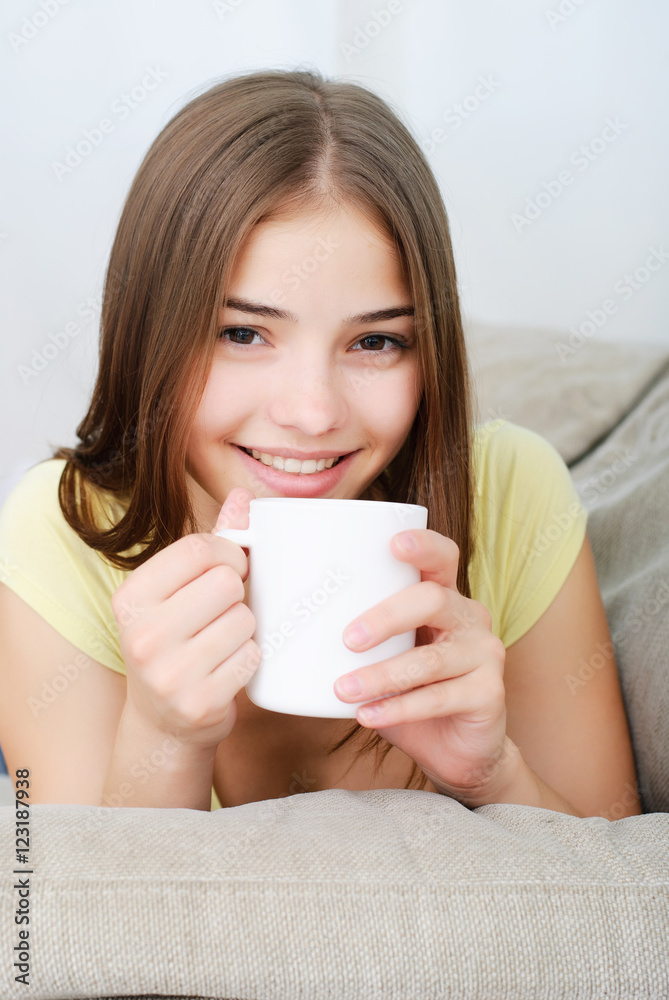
(315, 565)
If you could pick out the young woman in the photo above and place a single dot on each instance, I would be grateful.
(281, 289)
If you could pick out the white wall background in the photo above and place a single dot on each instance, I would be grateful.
(556, 71)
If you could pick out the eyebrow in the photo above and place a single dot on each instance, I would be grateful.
(259, 309)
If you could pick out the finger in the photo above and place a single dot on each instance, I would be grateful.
(424, 603)
(201, 602)
(235, 511)
(468, 695)
(222, 638)
(413, 668)
(435, 555)
(235, 514)
(172, 568)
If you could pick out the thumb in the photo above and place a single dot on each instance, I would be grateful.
(235, 511)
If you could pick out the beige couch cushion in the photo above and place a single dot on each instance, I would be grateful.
(389, 893)
(606, 410)
(570, 395)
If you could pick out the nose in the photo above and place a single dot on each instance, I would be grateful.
(310, 396)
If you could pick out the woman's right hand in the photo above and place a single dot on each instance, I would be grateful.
(185, 634)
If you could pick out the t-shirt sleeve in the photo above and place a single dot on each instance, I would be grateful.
(537, 529)
(43, 560)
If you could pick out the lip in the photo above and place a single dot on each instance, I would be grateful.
(291, 484)
(303, 456)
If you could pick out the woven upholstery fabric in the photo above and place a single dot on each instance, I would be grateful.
(624, 484)
(605, 408)
(571, 396)
(383, 894)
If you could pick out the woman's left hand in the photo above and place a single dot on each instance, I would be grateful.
(446, 706)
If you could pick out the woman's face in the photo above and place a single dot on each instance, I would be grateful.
(304, 375)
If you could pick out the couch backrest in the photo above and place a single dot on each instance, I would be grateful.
(605, 407)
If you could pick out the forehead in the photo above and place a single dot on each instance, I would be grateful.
(341, 245)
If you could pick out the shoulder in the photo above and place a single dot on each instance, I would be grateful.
(36, 486)
(37, 491)
(518, 473)
(45, 562)
(504, 450)
(530, 524)
(31, 508)
(33, 528)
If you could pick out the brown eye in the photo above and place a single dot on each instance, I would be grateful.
(399, 344)
(235, 331)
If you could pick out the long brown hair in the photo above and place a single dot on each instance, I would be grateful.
(250, 148)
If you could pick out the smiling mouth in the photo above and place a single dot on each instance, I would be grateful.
(336, 462)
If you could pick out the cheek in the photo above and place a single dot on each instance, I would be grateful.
(389, 401)
(222, 405)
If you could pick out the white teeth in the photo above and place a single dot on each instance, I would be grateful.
(294, 464)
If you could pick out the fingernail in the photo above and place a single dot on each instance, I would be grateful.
(356, 635)
(407, 542)
(349, 685)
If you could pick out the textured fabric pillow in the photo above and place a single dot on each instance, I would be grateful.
(391, 893)
(605, 407)
(624, 484)
(572, 396)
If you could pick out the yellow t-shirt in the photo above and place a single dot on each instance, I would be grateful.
(531, 528)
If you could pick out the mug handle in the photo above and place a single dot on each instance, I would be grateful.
(243, 536)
